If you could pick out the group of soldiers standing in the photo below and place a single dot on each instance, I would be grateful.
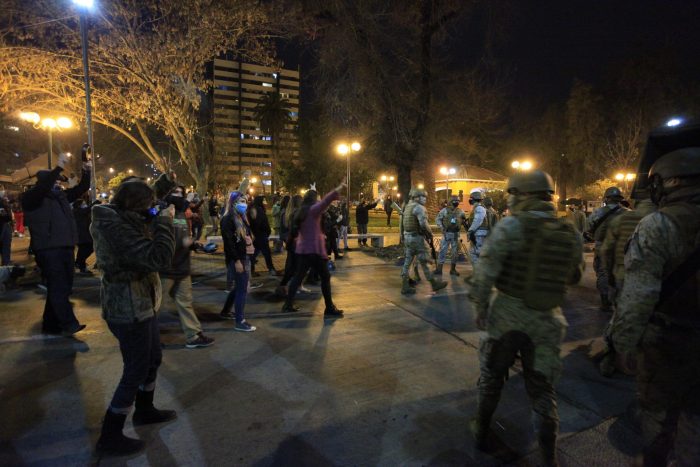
(646, 263)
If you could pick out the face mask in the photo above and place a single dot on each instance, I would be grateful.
(178, 201)
(241, 208)
(422, 199)
(455, 204)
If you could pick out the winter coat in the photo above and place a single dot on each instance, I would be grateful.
(311, 240)
(232, 228)
(362, 213)
(130, 252)
(82, 216)
(180, 265)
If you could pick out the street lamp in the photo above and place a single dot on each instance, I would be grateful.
(626, 177)
(84, 6)
(345, 150)
(522, 165)
(48, 124)
(447, 171)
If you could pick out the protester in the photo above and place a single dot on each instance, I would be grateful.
(331, 220)
(277, 221)
(18, 215)
(176, 278)
(131, 246)
(214, 214)
(388, 209)
(52, 226)
(284, 230)
(5, 228)
(362, 219)
(344, 225)
(238, 248)
(290, 264)
(83, 217)
(196, 220)
(310, 248)
(260, 226)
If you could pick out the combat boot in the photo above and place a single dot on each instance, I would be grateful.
(438, 270)
(548, 442)
(479, 431)
(112, 439)
(453, 270)
(406, 288)
(146, 413)
(437, 284)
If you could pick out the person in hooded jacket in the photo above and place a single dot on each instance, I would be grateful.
(51, 223)
(177, 278)
(132, 243)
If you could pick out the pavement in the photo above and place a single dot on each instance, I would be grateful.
(392, 383)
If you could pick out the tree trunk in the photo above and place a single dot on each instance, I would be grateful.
(403, 173)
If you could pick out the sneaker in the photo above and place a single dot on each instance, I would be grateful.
(200, 341)
(333, 313)
(254, 285)
(227, 315)
(244, 326)
(303, 289)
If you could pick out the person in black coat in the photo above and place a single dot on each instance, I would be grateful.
(260, 226)
(362, 219)
(82, 211)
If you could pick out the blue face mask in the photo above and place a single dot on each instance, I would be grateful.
(241, 208)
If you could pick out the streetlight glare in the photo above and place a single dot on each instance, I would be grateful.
(130, 171)
(630, 177)
(64, 122)
(391, 179)
(343, 149)
(355, 146)
(49, 123)
(31, 117)
(674, 122)
(527, 165)
(421, 186)
(254, 180)
(515, 164)
(619, 177)
(383, 178)
(84, 3)
(443, 170)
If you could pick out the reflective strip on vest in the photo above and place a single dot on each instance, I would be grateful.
(537, 274)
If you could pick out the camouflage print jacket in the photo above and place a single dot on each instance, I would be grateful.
(657, 247)
(130, 253)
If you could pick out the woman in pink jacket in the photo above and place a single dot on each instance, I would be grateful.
(311, 248)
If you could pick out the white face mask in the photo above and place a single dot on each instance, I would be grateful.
(422, 199)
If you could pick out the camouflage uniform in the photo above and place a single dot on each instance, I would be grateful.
(478, 230)
(577, 218)
(598, 225)
(449, 219)
(665, 335)
(524, 316)
(415, 223)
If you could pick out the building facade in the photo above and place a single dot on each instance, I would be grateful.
(239, 144)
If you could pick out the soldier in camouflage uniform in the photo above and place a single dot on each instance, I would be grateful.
(478, 225)
(491, 213)
(612, 253)
(530, 258)
(449, 219)
(658, 314)
(415, 226)
(577, 217)
(416, 276)
(597, 227)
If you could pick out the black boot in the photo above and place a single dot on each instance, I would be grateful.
(605, 304)
(146, 414)
(113, 441)
(548, 442)
(453, 270)
(479, 425)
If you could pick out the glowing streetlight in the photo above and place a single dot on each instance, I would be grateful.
(527, 165)
(111, 170)
(522, 165)
(421, 186)
(344, 150)
(254, 180)
(48, 124)
(619, 177)
(447, 171)
(515, 164)
(674, 122)
(383, 178)
(130, 171)
(625, 177)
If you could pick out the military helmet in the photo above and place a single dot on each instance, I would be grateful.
(476, 195)
(680, 163)
(535, 181)
(411, 192)
(418, 192)
(613, 192)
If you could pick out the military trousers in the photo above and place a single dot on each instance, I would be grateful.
(668, 382)
(449, 241)
(475, 248)
(415, 248)
(601, 274)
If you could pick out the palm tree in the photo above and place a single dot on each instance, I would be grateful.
(272, 113)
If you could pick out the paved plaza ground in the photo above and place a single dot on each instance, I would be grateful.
(392, 383)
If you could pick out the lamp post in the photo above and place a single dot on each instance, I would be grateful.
(48, 124)
(447, 171)
(84, 6)
(625, 177)
(345, 150)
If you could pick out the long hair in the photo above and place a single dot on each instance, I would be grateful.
(309, 200)
(285, 202)
(230, 206)
(133, 195)
(292, 207)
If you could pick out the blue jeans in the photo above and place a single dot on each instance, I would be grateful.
(139, 344)
(237, 296)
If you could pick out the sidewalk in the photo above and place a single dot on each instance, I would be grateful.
(393, 383)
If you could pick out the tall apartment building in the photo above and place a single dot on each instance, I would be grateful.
(239, 144)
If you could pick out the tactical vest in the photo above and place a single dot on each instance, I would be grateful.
(628, 222)
(684, 305)
(537, 273)
(485, 224)
(451, 221)
(602, 228)
(409, 220)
